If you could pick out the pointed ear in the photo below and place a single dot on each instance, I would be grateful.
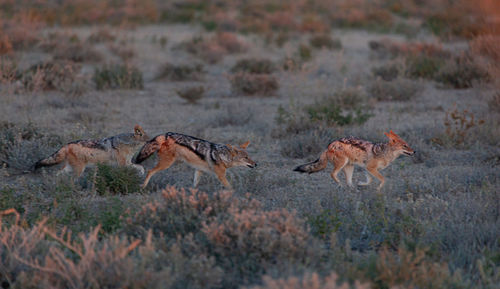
(245, 145)
(230, 146)
(138, 130)
(388, 134)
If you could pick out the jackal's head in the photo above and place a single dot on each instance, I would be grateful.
(139, 134)
(398, 144)
(240, 156)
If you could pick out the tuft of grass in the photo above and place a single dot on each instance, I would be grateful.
(100, 36)
(387, 72)
(192, 94)
(400, 89)
(181, 72)
(254, 65)
(118, 76)
(116, 180)
(461, 72)
(423, 66)
(254, 84)
(325, 41)
(345, 107)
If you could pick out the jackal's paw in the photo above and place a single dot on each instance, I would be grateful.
(140, 169)
(363, 183)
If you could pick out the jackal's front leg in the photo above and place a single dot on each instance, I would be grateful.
(196, 179)
(374, 172)
(220, 172)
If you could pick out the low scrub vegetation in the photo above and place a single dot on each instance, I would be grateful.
(192, 94)
(462, 72)
(254, 65)
(181, 72)
(254, 84)
(325, 41)
(116, 180)
(118, 76)
(399, 89)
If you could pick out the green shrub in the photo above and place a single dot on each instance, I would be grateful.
(387, 72)
(252, 84)
(345, 107)
(400, 89)
(423, 66)
(116, 180)
(191, 94)
(253, 65)
(325, 41)
(461, 72)
(181, 72)
(118, 77)
(304, 52)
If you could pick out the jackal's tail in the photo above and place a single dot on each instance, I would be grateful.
(147, 150)
(315, 166)
(54, 159)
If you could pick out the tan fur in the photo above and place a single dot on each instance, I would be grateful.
(345, 153)
(172, 147)
(77, 155)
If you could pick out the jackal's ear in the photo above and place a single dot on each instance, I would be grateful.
(138, 130)
(230, 146)
(245, 145)
(388, 134)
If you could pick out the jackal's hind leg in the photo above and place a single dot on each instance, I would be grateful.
(66, 169)
(196, 179)
(349, 170)
(368, 180)
(338, 164)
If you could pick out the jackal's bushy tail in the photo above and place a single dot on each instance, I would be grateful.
(315, 166)
(147, 150)
(54, 159)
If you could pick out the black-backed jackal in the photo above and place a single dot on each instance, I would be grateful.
(346, 152)
(78, 154)
(202, 155)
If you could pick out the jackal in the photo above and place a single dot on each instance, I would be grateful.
(202, 155)
(346, 152)
(78, 154)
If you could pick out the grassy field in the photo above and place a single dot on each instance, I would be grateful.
(290, 78)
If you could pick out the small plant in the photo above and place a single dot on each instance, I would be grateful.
(324, 223)
(253, 65)
(76, 52)
(325, 41)
(400, 89)
(461, 72)
(458, 125)
(192, 94)
(423, 66)
(118, 76)
(387, 72)
(304, 52)
(181, 72)
(494, 103)
(252, 84)
(101, 35)
(116, 180)
(51, 75)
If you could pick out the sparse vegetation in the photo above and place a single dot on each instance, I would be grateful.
(325, 41)
(192, 94)
(116, 180)
(400, 89)
(253, 65)
(118, 77)
(181, 72)
(461, 72)
(254, 84)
